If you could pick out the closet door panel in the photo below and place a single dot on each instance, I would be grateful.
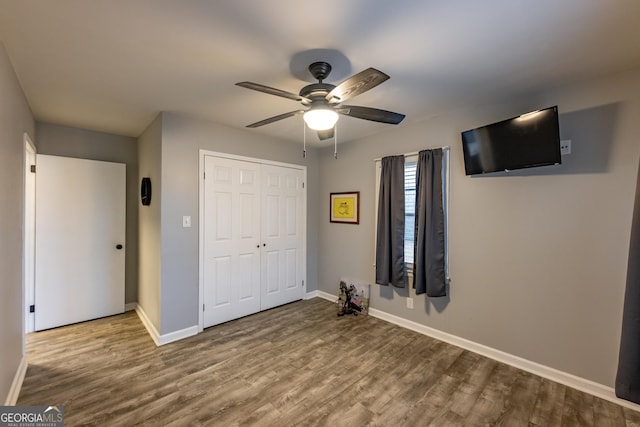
(283, 235)
(231, 258)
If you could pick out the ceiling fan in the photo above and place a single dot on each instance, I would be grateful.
(325, 100)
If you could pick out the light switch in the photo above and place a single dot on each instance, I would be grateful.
(186, 221)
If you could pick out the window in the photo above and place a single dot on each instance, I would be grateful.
(410, 166)
(409, 209)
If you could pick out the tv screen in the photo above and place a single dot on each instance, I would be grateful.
(526, 141)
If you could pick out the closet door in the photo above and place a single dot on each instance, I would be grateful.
(282, 235)
(232, 244)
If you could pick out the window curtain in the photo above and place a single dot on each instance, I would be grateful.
(628, 377)
(390, 268)
(429, 261)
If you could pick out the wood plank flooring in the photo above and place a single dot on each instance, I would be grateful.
(297, 364)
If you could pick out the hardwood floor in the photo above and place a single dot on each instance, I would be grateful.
(294, 365)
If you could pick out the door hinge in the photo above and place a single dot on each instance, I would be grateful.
(32, 309)
(204, 175)
(303, 184)
(303, 283)
(203, 308)
(33, 168)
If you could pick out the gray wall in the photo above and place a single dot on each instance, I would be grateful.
(57, 140)
(15, 120)
(537, 258)
(149, 239)
(181, 140)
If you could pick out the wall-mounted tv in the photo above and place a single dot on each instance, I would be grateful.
(526, 141)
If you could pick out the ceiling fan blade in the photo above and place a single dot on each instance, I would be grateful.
(325, 134)
(271, 91)
(373, 114)
(356, 84)
(275, 118)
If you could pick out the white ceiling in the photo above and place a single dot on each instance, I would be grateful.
(112, 65)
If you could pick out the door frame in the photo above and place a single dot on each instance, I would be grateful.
(28, 239)
(204, 153)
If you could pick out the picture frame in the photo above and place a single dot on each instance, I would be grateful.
(345, 207)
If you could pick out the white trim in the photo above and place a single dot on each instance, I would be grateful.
(153, 332)
(130, 306)
(178, 335)
(327, 296)
(200, 308)
(16, 385)
(166, 338)
(311, 295)
(569, 380)
(248, 159)
(28, 238)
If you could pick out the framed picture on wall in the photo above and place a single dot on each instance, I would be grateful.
(345, 207)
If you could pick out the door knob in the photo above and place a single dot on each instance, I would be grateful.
(118, 246)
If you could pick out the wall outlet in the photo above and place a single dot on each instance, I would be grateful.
(186, 221)
(409, 302)
(565, 147)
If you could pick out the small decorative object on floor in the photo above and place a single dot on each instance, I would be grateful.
(353, 299)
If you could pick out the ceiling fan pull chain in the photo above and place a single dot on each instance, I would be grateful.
(335, 142)
(304, 139)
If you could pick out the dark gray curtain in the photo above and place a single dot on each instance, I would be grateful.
(429, 269)
(390, 267)
(628, 377)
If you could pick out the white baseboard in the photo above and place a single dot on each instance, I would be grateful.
(327, 296)
(177, 335)
(570, 380)
(16, 385)
(310, 295)
(153, 332)
(166, 338)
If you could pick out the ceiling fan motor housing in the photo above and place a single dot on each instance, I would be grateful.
(316, 92)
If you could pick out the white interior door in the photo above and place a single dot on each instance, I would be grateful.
(231, 232)
(80, 239)
(282, 235)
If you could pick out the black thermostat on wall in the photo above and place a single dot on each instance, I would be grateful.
(145, 191)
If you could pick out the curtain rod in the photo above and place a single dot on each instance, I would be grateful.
(415, 153)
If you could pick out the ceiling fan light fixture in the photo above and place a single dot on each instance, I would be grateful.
(320, 118)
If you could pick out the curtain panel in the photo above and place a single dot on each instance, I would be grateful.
(390, 267)
(429, 257)
(628, 376)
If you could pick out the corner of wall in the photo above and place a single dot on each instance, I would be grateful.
(16, 385)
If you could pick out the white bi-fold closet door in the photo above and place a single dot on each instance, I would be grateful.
(253, 237)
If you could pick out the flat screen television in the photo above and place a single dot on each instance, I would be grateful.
(526, 141)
